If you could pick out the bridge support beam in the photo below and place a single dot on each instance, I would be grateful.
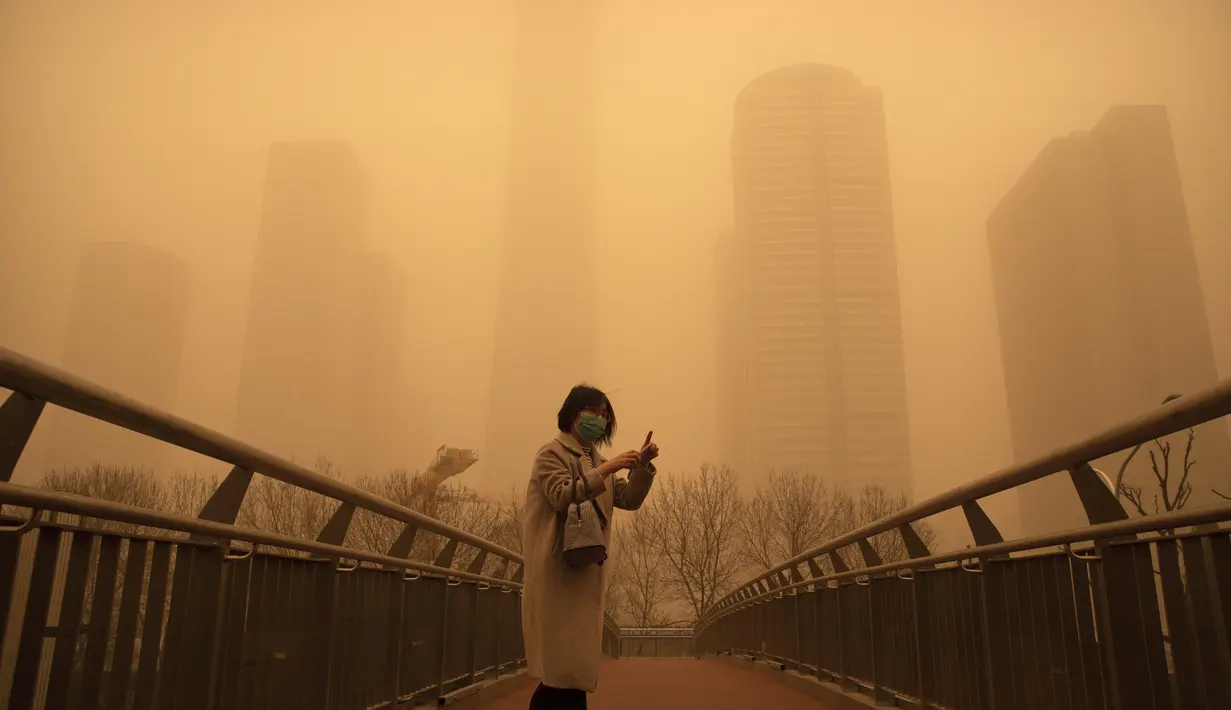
(18, 415)
(1097, 499)
(404, 543)
(915, 546)
(334, 532)
(871, 558)
(224, 504)
(445, 558)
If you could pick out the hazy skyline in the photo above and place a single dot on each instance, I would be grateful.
(1099, 307)
(823, 375)
(150, 122)
(125, 332)
(548, 297)
(301, 346)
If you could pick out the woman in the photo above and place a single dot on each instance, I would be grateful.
(562, 606)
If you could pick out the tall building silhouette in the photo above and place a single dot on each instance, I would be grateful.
(125, 332)
(545, 331)
(295, 383)
(1100, 307)
(731, 351)
(814, 221)
(380, 426)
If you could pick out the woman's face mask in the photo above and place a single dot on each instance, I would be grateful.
(591, 427)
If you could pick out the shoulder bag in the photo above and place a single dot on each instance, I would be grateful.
(581, 531)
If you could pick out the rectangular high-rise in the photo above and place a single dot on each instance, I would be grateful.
(126, 332)
(295, 383)
(814, 221)
(1100, 306)
(379, 424)
(730, 348)
(545, 329)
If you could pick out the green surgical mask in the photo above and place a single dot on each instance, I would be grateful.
(591, 427)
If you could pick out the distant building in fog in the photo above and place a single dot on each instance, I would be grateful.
(730, 348)
(125, 332)
(814, 224)
(545, 330)
(380, 422)
(295, 395)
(1100, 308)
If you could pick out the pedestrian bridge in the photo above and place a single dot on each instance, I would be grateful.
(104, 605)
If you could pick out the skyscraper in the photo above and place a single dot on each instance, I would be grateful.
(295, 382)
(1100, 307)
(730, 347)
(380, 426)
(545, 334)
(814, 222)
(125, 332)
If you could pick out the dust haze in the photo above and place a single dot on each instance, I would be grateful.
(471, 179)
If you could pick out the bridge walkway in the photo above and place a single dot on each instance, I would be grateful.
(667, 684)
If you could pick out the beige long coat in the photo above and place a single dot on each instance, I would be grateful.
(562, 606)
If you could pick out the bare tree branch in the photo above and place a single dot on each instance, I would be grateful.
(640, 575)
(874, 502)
(792, 512)
(697, 529)
(1169, 494)
(1134, 495)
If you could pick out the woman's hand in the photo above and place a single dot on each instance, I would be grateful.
(625, 461)
(649, 450)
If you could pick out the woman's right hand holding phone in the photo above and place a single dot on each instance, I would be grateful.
(625, 461)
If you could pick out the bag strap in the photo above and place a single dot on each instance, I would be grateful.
(579, 481)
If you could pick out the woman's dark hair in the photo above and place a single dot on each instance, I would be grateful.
(582, 397)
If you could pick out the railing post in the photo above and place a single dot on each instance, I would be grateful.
(497, 659)
(472, 638)
(797, 661)
(1132, 638)
(391, 683)
(998, 657)
(920, 607)
(877, 613)
(444, 639)
(844, 679)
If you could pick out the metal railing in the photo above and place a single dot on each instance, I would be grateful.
(144, 609)
(663, 642)
(1125, 613)
(611, 637)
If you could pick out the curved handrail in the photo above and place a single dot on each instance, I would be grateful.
(1063, 539)
(36, 379)
(1176, 415)
(15, 494)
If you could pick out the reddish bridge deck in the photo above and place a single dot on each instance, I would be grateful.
(649, 684)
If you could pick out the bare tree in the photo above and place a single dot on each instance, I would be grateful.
(375, 532)
(641, 576)
(615, 600)
(119, 484)
(464, 509)
(1172, 487)
(507, 532)
(285, 509)
(871, 503)
(187, 493)
(454, 505)
(792, 512)
(696, 527)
